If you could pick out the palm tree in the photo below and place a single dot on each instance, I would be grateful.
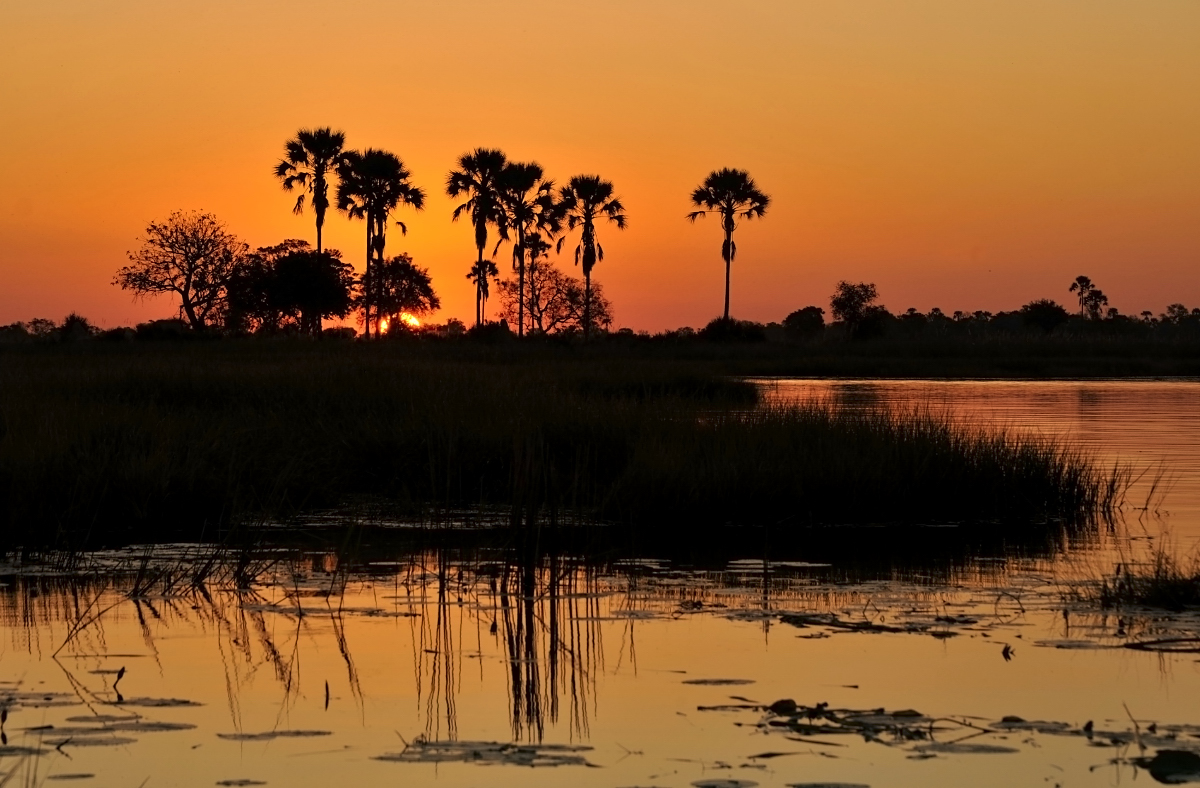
(307, 163)
(528, 200)
(478, 177)
(479, 274)
(734, 195)
(373, 184)
(583, 201)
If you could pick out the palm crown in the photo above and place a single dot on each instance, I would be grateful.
(308, 161)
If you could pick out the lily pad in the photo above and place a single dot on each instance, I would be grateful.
(719, 682)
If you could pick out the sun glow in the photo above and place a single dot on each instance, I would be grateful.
(383, 325)
(409, 320)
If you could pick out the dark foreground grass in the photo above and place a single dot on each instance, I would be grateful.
(105, 444)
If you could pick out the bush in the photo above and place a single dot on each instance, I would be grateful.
(1044, 314)
(722, 330)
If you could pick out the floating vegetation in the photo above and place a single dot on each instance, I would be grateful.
(91, 741)
(72, 776)
(155, 703)
(719, 682)
(1172, 766)
(240, 783)
(489, 753)
(272, 735)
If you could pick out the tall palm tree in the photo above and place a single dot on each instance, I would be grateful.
(585, 200)
(734, 195)
(528, 200)
(374, 183)
(478, 177)
(308, 161)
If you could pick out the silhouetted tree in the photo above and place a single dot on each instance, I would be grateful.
(1044, 314)
(733, 195)
(290, 281)
(585, 200)
(308, 161)
(310, 286)
(252, 305)
(853, 303)
(805, 322)
(402, 286)
(480, 274)
(191, 255)
(1091, 298)
(478, 177)
(373, 184)
(554, 301)
(528, 200)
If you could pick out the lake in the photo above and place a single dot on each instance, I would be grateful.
(373, 661)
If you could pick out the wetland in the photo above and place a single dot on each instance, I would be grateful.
(466, 646)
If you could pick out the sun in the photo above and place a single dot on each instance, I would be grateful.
(383, 325)
(409, 320)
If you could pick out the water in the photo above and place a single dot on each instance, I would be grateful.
(366, 657)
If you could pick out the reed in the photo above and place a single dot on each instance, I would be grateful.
(106, 444)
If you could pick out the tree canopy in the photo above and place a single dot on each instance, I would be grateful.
(190, 255)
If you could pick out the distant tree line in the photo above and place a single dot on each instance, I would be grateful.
(290, 287)
(222, 286)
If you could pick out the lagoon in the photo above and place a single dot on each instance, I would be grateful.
(376, 661)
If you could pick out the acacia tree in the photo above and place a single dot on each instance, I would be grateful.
(191, 255)
(585, 200)
(309, 159)
(478, 177)
(528, 200)
(372, 185)
(402, 286)
(733, 195)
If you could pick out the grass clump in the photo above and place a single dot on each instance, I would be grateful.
(112, 443)
(1163, 581)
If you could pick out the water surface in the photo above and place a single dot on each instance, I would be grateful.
(363, 661)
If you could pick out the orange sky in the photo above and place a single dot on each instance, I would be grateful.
(966, 155)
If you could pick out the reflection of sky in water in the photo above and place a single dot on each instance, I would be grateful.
(1146, 423)
(598, 658)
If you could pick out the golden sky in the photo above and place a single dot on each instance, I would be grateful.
(966, 155)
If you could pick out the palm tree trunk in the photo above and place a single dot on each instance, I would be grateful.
(728, 259)
(587, 304)
(521, 288)
(367, 278)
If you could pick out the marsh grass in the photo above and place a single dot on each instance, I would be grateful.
(1163, 580)
(108, 444)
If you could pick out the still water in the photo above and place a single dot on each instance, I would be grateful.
(325, 665)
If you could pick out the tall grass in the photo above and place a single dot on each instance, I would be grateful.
(103, 444)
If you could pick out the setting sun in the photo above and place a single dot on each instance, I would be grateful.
(409, 320)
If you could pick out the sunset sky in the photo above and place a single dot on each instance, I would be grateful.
(965, 155)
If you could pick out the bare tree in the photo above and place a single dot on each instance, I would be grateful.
(191, 255)
(552, 301)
